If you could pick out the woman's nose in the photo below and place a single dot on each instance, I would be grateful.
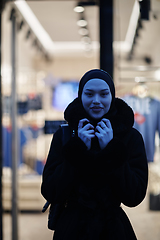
(96, 98)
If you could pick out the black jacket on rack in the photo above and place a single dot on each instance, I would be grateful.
(95, 182)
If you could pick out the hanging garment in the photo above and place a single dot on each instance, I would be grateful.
(147, 120)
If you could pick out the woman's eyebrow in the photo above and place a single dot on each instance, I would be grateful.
(106, 89)
(89, 89)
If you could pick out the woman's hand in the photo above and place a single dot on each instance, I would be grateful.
(86, 132)
(104, 132)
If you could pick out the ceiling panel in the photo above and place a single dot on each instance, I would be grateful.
(60, 21)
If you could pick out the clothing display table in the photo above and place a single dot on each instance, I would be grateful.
(154, 186)
(29, 191)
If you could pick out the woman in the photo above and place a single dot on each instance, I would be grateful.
(101, 166)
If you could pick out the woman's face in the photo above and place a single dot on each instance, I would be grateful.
(96, 98)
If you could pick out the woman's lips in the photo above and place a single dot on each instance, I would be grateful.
(96, 109)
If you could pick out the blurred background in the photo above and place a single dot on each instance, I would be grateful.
(46, 47)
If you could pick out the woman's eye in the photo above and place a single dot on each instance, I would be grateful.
(89, 94)
(104, 94)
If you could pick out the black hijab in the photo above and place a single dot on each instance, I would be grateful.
(100, 74)
(75, 110)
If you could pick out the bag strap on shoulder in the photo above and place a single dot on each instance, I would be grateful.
(67, 133)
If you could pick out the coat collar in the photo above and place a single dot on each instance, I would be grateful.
(122, 119)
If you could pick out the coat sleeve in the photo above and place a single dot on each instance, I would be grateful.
(58, 175)
(126, 169)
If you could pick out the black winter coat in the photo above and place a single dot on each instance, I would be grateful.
(95, 182)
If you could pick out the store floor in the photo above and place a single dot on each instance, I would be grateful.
(32, 226)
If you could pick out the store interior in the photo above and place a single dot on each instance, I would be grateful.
(51, 57)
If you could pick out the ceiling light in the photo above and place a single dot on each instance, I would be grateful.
(157, 74)
(35, 25)
(20, 25)
(86, 39)
(88, 47)
(79, 9)
(142, 68)
(83, 31)
(28, 34)
(140, 79)
(82, 23)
